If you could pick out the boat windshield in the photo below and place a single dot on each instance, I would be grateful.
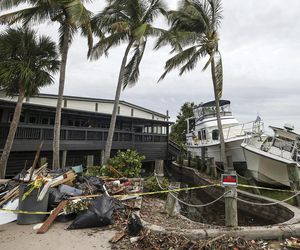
(206, 112)
(283, 143)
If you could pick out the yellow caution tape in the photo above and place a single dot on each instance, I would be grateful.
(167, 191)
(23, 212)
(158, 192)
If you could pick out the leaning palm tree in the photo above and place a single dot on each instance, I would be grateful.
(193, 34)
(26, 65)
(71, 16)
(130, 22)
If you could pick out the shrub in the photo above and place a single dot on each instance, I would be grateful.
(128, 163)
(151, 185)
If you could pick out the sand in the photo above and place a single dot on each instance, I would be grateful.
(17, 237)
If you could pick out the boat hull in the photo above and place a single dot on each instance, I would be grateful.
(265, 168)
(233, 149)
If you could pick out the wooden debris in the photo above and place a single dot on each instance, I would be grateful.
(118, 236)
(44, 228)
(67, 178)
(36, 158)
(12, 194)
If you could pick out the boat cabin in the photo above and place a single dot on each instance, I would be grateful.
(285, 143)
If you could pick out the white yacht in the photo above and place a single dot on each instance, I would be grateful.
(268, 156)
(202, 132)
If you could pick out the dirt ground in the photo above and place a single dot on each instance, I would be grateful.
(23, 237)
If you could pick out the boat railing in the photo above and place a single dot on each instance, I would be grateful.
(232, 132)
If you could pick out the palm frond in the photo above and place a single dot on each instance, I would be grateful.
(131, 73)
(177, 60)
(9, 4)
(215, 14)
(106, 43)
(193, 60)
(218, 73)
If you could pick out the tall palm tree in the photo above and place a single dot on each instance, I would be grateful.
(193, 34)
(26, 64)
(71, 16)
(128, 21)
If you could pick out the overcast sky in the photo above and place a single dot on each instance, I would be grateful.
(260, 45)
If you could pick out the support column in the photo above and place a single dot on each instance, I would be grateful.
(159, 168)
(90, 161)
(64, 158)
(213, 168)
(43, 161)
(231, 217)
(172, 202)
(203, 149)
(102, 157)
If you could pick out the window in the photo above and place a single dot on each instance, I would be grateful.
(45, 120)
(10, 117)
(203, 134)
(199, 135)
(215, 134)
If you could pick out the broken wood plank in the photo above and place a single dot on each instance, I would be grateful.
(118, 236)
(36, 158)
(46, 225)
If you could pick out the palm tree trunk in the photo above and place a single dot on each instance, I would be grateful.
(112, 125)
(12, 132)
(222, 141)
(56, 136)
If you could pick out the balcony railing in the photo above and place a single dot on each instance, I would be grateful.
(45, 132)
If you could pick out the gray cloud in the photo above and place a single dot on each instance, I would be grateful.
(260, 45)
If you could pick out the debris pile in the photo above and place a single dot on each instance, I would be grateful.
(89, 201)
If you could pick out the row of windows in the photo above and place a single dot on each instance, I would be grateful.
(34, 119)
(202, 134)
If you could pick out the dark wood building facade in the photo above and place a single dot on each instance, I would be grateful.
(83, 133)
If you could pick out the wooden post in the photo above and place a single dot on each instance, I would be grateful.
(209, 162)
(189, 158)
(64, 158)
(293, 174)
(203, 158)
(159, 168)
(213, 168)
(198, 162)
(90, 161)
(231, 218)
(230, 163)
(171, 202)
(102, 157)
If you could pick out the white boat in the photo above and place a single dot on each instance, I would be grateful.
(268, 156)
(202, 132)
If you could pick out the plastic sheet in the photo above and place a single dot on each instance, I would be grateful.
(98, 214)
(135, 225)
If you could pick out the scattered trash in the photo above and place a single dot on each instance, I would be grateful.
(135, 225)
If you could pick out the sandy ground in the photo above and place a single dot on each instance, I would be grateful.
(23, 237)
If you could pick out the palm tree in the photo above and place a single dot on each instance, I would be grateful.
(128, 21)
(194, 25)
(71, 15)
(26, 65)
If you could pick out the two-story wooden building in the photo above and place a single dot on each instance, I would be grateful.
(85, 123)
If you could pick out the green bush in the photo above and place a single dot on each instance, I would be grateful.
(128, 163)
(151, 185)
(93, 171)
